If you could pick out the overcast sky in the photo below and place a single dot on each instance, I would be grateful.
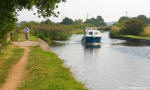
(110, 10)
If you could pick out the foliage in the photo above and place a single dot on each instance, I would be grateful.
(48, 22)
(105, 28)
(54, 32)
(122, 21)
(145, 33)
(133, 26)
(47, 72)
(50, 32)
(9, 8)
(99, 21)
(79, 21)
(115, 31)
(67, 21)
(143, 18)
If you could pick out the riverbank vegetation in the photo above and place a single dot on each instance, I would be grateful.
(49, 30)
(9, 56)
(136, 27)
(47, 72)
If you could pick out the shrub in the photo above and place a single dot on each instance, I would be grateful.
(145, 33)
(115, 30)
(133, 27)
(105, 28)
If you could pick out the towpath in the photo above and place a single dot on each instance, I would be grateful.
(16, 74)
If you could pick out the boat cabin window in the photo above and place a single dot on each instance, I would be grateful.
(90, 33)
(95, 33)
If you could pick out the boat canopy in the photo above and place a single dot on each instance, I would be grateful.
(90, 28)
(93, 33)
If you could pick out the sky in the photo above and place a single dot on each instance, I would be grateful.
(110, 10)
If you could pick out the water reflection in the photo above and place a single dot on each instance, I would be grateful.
(91, 54)
(91, 46)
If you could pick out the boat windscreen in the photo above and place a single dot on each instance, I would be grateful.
(95, 33)
(90, 33)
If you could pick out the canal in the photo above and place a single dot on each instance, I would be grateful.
(117, 65)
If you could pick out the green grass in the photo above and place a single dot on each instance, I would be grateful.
(21, 37)
(138, 37)
(46, 72)
(9, 56)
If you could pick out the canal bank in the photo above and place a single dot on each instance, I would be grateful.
(45, 71)
(132, 38)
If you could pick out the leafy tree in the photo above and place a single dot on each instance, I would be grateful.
(90, 21)
(9, 9)
(99, 21)
(67, 21)
(122, 21)
(79, 21)
(133, 26)
(48, 22)
(143, 18)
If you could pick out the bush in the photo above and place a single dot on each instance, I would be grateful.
(54, 32)
(133, 27)
(115, 31)
(145, 33)
(105, 28)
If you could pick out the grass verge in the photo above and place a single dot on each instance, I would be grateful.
(21, 37)
(46, 72)
(8, 57)
(137, 37)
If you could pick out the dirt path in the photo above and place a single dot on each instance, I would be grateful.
(41, 43)
(16, 74)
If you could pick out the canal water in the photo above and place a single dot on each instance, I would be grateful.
(116, 65)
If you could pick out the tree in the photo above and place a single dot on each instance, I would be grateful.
(143, 18)
(9, 9)
(79, 21)
(122, 20)
(48, 22)
(133, 26)
(67, 21)
(99, 21)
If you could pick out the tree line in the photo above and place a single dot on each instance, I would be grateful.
(99, 21)
(131, 26)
